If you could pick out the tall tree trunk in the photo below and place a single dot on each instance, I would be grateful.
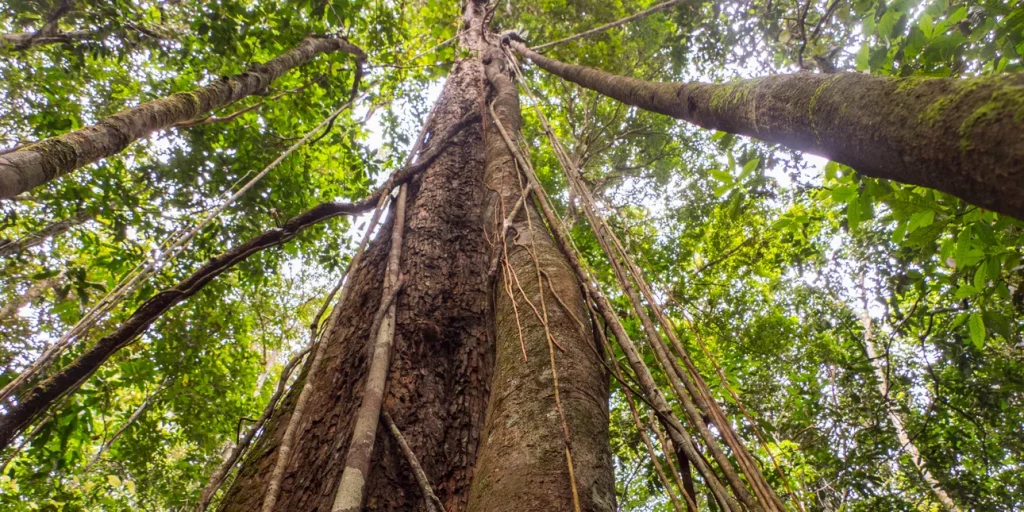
(33, 165)
(444, 355)
(962, 137)
(441, 363)
(545, 444)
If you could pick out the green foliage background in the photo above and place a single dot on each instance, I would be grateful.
(758, 252)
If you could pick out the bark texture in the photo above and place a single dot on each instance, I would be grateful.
(39, 163)
(962, 137)
(523, 463)
(441, 363)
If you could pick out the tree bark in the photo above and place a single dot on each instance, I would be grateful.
(30, 166)
(440, 369)
(961, 137)
(535, 431)
(439, 379)
(24, 40)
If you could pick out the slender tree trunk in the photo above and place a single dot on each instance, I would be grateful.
(9, 247)
(962, 137)
(33, 165)
(894, 417)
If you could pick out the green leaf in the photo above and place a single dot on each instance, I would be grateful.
(998, 323)
(921, 219)
(844, 193)
(927, 25)
(863, 58)
(976, 325)
(966, 291)
(981, 275)
(958, 16)
(721, 175)
(749, 168)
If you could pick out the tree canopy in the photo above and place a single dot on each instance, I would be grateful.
(824, 302)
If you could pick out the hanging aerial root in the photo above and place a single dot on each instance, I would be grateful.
(349, 496)
(643, 433)
(566, 435)
(350, 491)
(136, 414)
(739, 403)
(134, 280)
(608, 26)
(685, 487)
(691, 379)
(430, 499)
(284, 449)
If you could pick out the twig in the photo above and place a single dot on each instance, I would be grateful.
(640, 15)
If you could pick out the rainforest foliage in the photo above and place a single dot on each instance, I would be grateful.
(766, 259)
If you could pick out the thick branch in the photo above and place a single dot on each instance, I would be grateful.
(39, 163)
(21, 41)
(961, 137)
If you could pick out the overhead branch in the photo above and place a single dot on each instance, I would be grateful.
(36, 164)
(961, 137)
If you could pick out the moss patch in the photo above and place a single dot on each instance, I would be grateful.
(1005, 102)
(934, 111)
(909, 83)
(59, 156)
(727, 95)
(188, 103)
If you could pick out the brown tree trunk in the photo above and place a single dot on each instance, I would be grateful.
(441, 363)
(962, 137)
(33, 165)
(545, 444)
(443, 358)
